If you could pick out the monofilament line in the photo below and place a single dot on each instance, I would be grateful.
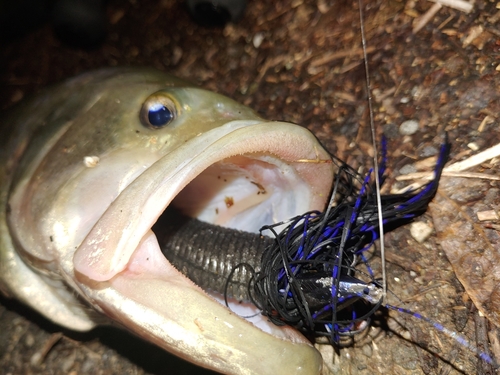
(375, 150)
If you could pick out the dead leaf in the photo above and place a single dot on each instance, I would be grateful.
(474, 255)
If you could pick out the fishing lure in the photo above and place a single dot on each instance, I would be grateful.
(310, 277)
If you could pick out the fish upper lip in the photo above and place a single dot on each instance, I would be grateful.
(110, 256)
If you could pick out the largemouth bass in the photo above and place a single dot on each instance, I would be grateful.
(89, 166)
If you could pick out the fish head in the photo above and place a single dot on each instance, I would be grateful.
(111, 150)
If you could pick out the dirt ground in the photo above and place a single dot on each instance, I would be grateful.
(301, 61)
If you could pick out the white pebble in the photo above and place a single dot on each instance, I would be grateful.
(473, 146)
(406, 335)
(257, 39)
(408, 127)
(420, 231)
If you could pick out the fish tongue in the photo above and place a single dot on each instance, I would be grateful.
(158, 303)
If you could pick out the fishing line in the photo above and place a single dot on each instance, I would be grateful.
(309, 277)
(229, 279)
(374, 145)
(453, 335)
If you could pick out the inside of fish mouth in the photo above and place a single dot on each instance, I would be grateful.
(242, 193)
(213, 284)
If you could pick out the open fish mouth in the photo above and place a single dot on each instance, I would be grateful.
(92, 164)
(241, 175)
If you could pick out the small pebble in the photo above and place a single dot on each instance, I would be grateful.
(36, 359)
(257, 39)
(406, 335)
(367, 350)
(420, 231)
(407, 169)
(473, 146)
(408, 127)
(391, 131)
(67, 362)
(428, 151)
(29, 340)
(487, 215)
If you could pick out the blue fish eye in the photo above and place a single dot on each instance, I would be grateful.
(159, 115)
(158, 111)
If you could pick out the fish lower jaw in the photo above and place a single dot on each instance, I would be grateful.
(157, 302)
(252, 314)
(149, 263)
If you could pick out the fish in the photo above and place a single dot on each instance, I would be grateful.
(87, 168)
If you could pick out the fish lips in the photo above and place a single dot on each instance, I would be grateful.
(120, 268)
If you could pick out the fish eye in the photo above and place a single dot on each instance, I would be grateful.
(158, 111)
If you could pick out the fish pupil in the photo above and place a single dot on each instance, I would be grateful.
(159, 115)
